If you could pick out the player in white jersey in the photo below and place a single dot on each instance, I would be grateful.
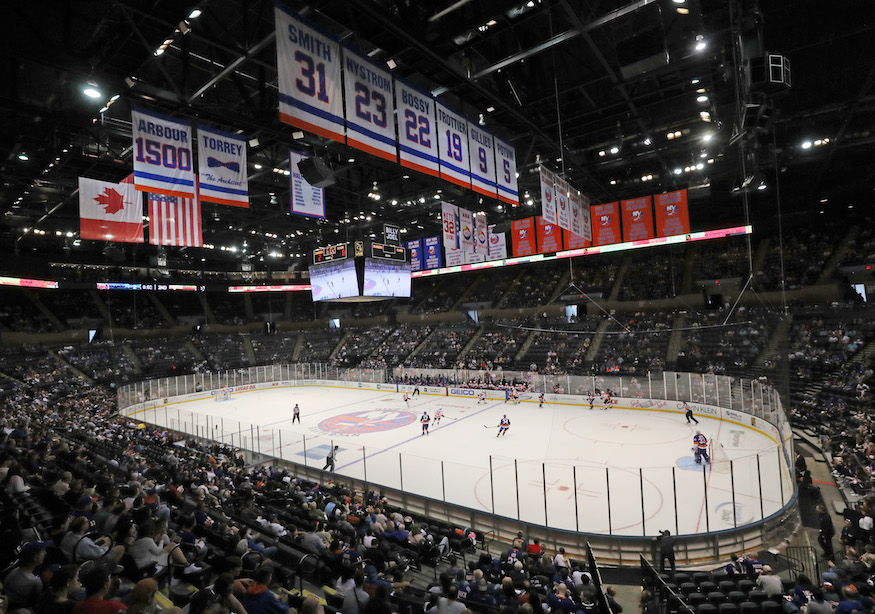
(438, 414)
(516, 397)
(481, 398)
(503, 425)
(406, 398)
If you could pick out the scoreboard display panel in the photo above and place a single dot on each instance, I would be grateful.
(389, 252)
(331, 252)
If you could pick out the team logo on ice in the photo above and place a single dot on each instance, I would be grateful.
(370, 284)
(367, 421)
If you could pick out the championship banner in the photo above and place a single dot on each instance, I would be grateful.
(414, 248)
(431, 248)
(497, 244)
(563, 213)
(370, 106)
(672, 214)
(605, 224)
(481, 147)
(549, 236)
(450, 220)
(637, 219)
(455, 257)
(481, 235)
(417, 141)
(548, 196)
(466, 230)
(222, 170)
(308, 70)
(452, 146)
(573, 241)
(585, 220)
(505, 172)
(163, 162)
(306, 200)
(523, 237)
(574, 208)
(110, 211)
(471, 258)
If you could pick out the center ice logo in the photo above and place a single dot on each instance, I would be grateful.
(370, 284)
(368, 421)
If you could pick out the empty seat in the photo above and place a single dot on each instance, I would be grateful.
(757, 596)
(708, 587)
(701, 576)
(680, 578)
(688, 587)
(706, 608)
(771, 607)
(746, 585)
(727, 585)
(748, 607)
(727, 608)
(696, 599)
(716, 598)
(736, 597)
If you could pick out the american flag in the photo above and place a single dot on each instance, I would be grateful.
(174, 221)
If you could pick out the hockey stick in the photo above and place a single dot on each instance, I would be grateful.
(494, 426)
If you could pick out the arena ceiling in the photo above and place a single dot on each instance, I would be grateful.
(597, 89)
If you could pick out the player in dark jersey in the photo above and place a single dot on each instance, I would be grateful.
(425, 420)
(541, 400)
(503, 425)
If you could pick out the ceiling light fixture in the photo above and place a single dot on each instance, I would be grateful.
(806, 145)
(615, 150)
(195, 14)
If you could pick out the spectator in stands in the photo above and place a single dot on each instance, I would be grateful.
(63, 584)
(259, 599)
(770, 583)
(356, 598)
(97, 581)
(22, 586)
(78, 546)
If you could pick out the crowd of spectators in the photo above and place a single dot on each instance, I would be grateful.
(634, 343)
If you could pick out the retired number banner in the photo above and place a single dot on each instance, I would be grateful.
(505, 172)
(417, 141)
(563, 214)
(163, 162)
(453, 146)
(308, 67)
(306, 200)
(222, 167)
(370, 106)
(481, 146)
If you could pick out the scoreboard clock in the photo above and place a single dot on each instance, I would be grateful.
(389, 252)
(331, 252)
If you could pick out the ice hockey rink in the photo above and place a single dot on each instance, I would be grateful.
(624, 470)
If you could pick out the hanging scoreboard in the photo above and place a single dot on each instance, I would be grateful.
(417, 141)
(308, 67)
(481, 146)
(453, 146)
(331, 252)
(389, 252)
(370, 106)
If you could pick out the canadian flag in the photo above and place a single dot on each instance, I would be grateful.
(110, 211)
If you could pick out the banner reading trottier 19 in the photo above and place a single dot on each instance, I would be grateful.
(453, 146)
(308, 67)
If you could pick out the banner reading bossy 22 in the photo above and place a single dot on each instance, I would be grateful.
(308, 65)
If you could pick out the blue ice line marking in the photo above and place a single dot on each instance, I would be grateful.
(458, 420)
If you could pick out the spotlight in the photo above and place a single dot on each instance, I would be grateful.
(615, 150)
(195, 14)
(91, 91)
(806, 145)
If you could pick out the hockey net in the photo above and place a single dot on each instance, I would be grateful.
(223, 395)
(719, 458)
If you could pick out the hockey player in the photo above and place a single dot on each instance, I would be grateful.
(438, 414)
(296, 414)
(425, 420)
(688, 413)
(416, 390)
(591, 398)
(481, 398)
(503, 425)
(516, 397)
(606, 399)
(406, 398)
(700, 443)
(541, 400)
